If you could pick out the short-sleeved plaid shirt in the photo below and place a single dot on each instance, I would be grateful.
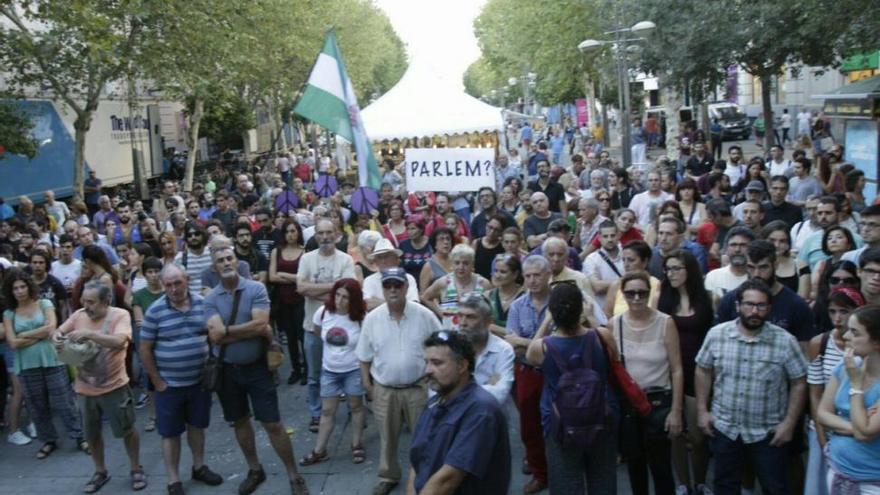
(751, 375)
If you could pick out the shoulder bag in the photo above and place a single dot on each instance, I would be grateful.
(212, 373)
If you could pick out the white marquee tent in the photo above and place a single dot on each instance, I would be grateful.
(423, 104)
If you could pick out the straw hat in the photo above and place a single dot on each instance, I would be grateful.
(383, 246)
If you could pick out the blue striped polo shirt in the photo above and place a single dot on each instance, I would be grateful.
(181, 340)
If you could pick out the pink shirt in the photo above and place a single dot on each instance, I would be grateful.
(106, 372)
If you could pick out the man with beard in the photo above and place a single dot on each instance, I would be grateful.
(247, 252)
(554, 192)
(734, 167)
(753, 375)
(392, 368)
(442, 207)
(50, 287)
(102, 382)
(66, 268)
(494, 357)
(789, 310)
(605, 265)
(722, 280)
(126, 230)
(237, 311)
(827, 213)
(266, 236)
(194, 258)
(318, 271)
(460, 443)
(488, 205)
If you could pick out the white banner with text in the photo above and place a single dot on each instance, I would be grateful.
(449, 169)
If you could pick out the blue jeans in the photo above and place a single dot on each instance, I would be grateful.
(770, 463)
(816, 482)
(314, 351)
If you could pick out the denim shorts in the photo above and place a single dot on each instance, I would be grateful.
(336, 384)
(177, 407)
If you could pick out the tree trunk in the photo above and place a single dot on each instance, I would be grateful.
(192, 139)
(246, 144)
(767, 109)
(673, 107)
(704, 117)
(142, 190)
(81, 127)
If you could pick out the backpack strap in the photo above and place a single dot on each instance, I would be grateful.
(620, 339)
(610, 263)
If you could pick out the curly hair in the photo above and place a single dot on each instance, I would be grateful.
(357, 308)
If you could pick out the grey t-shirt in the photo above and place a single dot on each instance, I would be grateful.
(219, 302)
(537, 226)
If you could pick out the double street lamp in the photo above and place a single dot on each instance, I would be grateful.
(622, 44)
(529, 80)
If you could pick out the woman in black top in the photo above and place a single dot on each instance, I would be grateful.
(488, 247)
(683, 296)
(621, 189)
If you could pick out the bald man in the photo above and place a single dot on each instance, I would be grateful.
(535, 225)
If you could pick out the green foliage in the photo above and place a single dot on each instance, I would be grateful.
(227, 117)
(15, 131)
(519, 36)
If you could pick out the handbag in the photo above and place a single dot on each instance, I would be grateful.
(76, 354)
(212, 372)
(274, 355)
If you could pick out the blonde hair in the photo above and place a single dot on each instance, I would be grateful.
(462, 250)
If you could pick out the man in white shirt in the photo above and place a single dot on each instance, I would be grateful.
(58, 209)
(802, 230)
(392, 368)
(66, 268)
(778, 165)
(603, 266)
(494, 368)
(734, 168)
(722, 280)
(803, 118)
(646, 204)
(318, 271)
(385, 256)
(785, 124)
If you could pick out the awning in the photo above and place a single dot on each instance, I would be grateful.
(861, 61)
(864, 89)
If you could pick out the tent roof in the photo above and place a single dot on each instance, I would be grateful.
(866, 88)
(423, 103)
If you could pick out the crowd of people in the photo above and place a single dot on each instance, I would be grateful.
(698, 313)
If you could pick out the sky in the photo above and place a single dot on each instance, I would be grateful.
(439, 35)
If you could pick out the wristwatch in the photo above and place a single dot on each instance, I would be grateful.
(856, 391)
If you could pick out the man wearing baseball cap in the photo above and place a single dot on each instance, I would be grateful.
(393, 366)
(754, 192)
(385, 256)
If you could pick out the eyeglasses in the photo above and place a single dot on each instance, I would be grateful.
(636, 294)
(752, 306)
(842, 280)
(392, 284)
(673, 269)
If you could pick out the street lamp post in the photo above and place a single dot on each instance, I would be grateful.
(619, 45)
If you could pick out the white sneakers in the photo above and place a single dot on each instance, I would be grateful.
(31, 430)
(19, 438)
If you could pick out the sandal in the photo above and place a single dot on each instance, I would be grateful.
(46, 450)
(315, 425)
(314, 458)
(83, 446)
(138, 479)
(358, 454)
(99, 479)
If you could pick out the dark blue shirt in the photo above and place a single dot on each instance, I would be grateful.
(787, 310)
(468, 433)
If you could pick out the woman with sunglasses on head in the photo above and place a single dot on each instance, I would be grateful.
(683, 296)
(507, 279)
(842, 274)
(649, 346)
(826, 352)
(635, 256)
(573, 470)
(777, 233)
(848, 407)
(836, 241)
(338, 324)
(283, 267)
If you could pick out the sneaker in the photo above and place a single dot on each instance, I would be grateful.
(703, 490)
(31, 430)
(142, 401)
(19, 438)
(151, 424)
(681, 490)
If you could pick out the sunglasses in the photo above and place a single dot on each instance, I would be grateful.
(842, 280)
(636, 294)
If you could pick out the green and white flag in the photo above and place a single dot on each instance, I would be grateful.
(329, 100)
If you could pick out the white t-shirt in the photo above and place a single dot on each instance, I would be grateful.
(646, 206)
(804, 119)
(735, 172)
(373, 288)
(318, 269)
(783, 168)
(786, 121)
(68, 273)
(721, 281)
(340, 337)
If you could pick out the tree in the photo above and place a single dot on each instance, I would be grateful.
(15, 129)
(73, 50)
